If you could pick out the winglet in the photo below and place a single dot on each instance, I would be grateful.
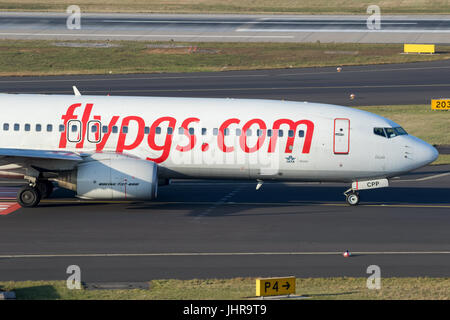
(75, 91)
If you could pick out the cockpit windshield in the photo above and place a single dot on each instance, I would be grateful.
(389, 132)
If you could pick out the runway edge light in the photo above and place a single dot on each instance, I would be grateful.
(275, 286)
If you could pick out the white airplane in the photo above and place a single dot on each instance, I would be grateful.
(105, 147)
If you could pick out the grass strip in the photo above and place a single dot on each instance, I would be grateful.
(242, 288)
(39, 57)
(235, 6)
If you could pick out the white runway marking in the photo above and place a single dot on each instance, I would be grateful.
(134, 35)
(440, 175)
(190, 254)
(347, 30)
(222, 201)
(356, 22)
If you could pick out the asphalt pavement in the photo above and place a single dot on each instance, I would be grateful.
(388, 84)
(227, 27)
(220, 229)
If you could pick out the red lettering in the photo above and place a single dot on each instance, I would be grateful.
(221, 136)
(261, 138)
(191, 137)
(99, 147)
(290, 141)
(122, 136)
(84, 121)
(165, 148)
(68, 116)
(97, 124)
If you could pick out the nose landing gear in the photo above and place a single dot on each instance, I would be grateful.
(352, 197)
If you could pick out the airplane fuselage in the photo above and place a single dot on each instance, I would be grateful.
(217, 138)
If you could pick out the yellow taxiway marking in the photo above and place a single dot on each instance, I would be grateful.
(191, 254)
(287, 204)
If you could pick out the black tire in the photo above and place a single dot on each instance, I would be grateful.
(45, 188)
(28, 197)
(352, 199)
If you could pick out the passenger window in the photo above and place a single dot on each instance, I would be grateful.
(146, 130)
(93, 129)
(269, 132)
(16, 127)
(215, 131)
(180, 130)
(259, 132)
(226, 131)
(280, 133)
(61, 128)
(74, 128)
(105, 129)
(6, 126)
(291, 133)
(125, 129)
(248, 133)
(115, 129)
(238, 132)
(158, 130)
(301, 133)
(379, 132)
(169, 130)
(49, 128)
(204, 131)
(191, 130)
(27, 127)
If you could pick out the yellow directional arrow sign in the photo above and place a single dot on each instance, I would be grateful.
(275, 286)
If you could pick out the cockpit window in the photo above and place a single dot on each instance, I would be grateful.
(389, 132)
(379, 132)
(400, 131)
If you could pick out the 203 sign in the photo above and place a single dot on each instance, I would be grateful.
(440, 104)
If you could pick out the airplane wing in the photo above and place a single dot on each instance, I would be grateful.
(41, 154)
(20, 161)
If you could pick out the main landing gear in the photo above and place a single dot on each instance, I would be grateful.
(29, 196)
(352, 197)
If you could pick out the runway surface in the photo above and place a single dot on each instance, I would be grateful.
(217, 229)
(413, 83)
(281, 28)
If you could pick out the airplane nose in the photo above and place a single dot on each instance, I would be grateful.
(426, 153)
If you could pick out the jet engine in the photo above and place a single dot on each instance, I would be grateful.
(112, 177)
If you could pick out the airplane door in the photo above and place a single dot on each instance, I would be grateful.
(94, 132)
(74, 131)
(341, 139)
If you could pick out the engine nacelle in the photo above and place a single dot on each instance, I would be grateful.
(113, 178)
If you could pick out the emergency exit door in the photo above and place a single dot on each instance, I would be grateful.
(341, 140)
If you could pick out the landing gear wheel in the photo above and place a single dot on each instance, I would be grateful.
(28, 197)
(45, 188)
(352, 199)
